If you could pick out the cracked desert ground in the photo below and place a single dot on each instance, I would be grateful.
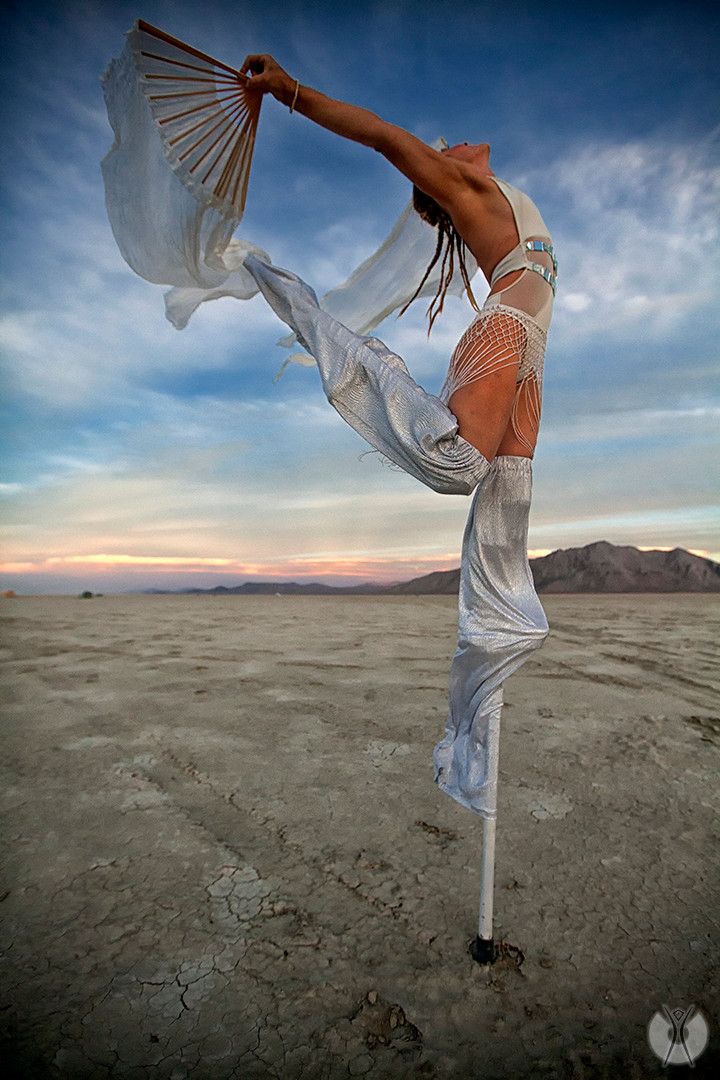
(224, 855)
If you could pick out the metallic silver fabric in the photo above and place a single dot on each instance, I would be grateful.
(501, 620)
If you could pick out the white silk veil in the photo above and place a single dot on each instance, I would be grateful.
(170, 236)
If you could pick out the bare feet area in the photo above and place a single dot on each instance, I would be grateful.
(224, 855)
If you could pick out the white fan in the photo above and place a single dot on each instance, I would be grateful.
(206, 119)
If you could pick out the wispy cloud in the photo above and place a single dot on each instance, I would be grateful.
(633, 424)
(637, 238)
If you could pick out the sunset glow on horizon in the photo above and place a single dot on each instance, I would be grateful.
(330, 571)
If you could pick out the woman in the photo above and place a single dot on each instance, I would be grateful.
(480, 433)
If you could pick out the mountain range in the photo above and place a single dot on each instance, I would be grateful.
(600, 567)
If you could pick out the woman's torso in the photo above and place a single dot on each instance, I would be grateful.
(506, 234)
(493, 220)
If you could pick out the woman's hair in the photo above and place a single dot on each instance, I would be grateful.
(434, 214)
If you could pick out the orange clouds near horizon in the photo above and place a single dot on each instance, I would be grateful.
(361, 568)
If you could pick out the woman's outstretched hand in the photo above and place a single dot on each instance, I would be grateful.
(267, 76)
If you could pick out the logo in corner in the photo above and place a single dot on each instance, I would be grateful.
(678, 1036)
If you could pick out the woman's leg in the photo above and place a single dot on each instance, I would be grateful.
(501, 619)
(371, 388)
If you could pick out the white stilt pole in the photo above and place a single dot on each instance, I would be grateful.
(483, 948)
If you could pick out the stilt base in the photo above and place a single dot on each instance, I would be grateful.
(484, 950)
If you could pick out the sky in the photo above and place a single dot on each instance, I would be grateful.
(136, 456)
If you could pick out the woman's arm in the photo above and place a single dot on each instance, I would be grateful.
(350, 121)
(440, 177)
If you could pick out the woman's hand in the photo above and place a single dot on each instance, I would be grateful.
(268, 77)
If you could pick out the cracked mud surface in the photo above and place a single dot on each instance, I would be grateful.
(224, 855)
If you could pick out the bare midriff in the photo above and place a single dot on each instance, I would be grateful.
(505, 281)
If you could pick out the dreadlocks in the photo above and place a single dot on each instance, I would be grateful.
(433, 214)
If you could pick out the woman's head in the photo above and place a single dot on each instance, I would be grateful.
(434, 214)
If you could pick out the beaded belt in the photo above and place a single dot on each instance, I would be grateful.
(540, 245)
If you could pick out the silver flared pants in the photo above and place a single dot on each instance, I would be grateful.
(501, 621)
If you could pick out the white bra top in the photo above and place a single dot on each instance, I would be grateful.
(528, 223)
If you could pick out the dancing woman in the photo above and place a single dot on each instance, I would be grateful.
(479, 434)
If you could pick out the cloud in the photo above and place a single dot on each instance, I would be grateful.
(637, 236)
(656, 425)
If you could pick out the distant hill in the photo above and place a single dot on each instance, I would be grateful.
(439, 583)
(603, 567)
(600, 567)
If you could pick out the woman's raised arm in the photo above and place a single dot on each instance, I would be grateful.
(350, 121)
(442, 178)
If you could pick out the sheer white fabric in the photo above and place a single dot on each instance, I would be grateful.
(172, 236)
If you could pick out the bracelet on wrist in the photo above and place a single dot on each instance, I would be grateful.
(297, 88)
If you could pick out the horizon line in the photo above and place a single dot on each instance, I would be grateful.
(77, 570)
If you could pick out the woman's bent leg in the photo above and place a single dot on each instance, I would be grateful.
(371, 388)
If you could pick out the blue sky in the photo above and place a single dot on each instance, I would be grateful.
(136, 455)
